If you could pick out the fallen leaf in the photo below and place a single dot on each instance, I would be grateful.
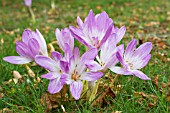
(46, 101)
(155, 81)
(100, 99)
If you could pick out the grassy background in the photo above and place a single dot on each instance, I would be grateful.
(145, 20)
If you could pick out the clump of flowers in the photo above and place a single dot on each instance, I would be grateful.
(100, 37)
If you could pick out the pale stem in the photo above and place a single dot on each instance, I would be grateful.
(93, 91)
(30, 72)
(52, 4)
(32, 14)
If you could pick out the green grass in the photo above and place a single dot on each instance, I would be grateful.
(136, 15)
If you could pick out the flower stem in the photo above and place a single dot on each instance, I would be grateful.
(52, 4)
(32, 14)
(91, 94)
(30, 72)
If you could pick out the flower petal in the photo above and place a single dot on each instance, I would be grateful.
(130, 49)
(27, 35)
(79, 35)
(42, 43)
(76, 54)
(34, 47)
(80, 23)
(142, 51)
(51, 75)
(106, 36)
(47, 63)
(120, 33)
(89, 55)
(93, 65)
(22, 49)
(55, 86)
(67, 52)
(141, 62)
(91, 76)
(17, 59)
(121, 60)
(76, 89)
(56, 56)
(119, 70)
(140, 74)
(64, 66)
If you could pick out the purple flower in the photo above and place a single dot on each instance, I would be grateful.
(76, 71)
(28, 3)
(56, 76)
(133, 59)
(107, 56)
(94, 31)
(31, 45)
(64, 36)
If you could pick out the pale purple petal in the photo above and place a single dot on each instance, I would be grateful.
(63, 78)
(103, 21)
(76, 54)
(80, 23)
(79, 35)
(64, 36)
(119, 70)
(22, 49)
(120, 33)
(113, 59)
(67, 52)
(89, 55)
(55, 86)
(34, 47)
(91, 23)
(47, 63)
(42, 43)
(76, 88)
(142, 51)
(140, 74)
(108, 48)
(121, 60)
(28, 3)
(17, 59)
(64, 66)
(130, 49)
(106, 36)
(93, 65)
(91, 76)
(27, 35)
(51, 75)
(56, 56)
(141, 62)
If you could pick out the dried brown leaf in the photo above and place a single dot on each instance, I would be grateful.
(46, 101)
(101, 98)
(155, 81)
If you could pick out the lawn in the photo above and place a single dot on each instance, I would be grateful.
(144, 20)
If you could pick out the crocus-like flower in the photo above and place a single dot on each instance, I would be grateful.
(64, 36)
(56, 76)
(107, 56)
(28, 3)
(65, 42)
(134, 59)
(31, 45)
(76, 71)
(94, 31)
